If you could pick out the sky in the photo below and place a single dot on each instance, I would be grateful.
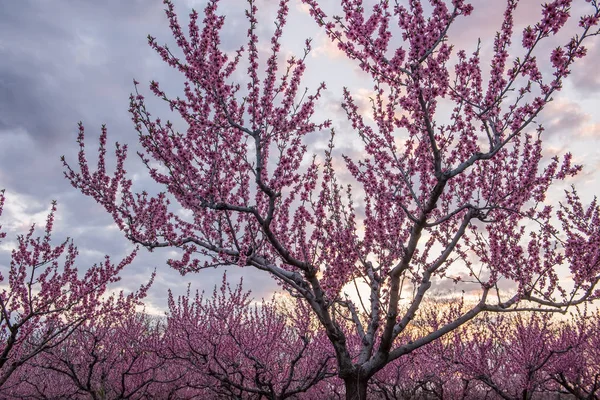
(66, 61)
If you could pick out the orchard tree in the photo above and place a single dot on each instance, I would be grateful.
(514, 357)
(46, 299)
(112, 358)
(579, 369)
(429, 372)
(440, 195)
(237, 349)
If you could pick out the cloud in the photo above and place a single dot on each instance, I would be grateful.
(568, 119)
(303, 8)
(21, 211)
(327, 48)
(585, 76)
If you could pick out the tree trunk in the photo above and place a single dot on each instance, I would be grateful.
(356, 389)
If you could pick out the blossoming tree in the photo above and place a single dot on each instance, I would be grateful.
(441, 196)
(241, 350)
(109, 358)
(46, 300)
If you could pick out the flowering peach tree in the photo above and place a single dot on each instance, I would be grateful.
(237, 349)
(450, 184)
(45, 299)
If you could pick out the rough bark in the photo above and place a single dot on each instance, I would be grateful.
(356, 388)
